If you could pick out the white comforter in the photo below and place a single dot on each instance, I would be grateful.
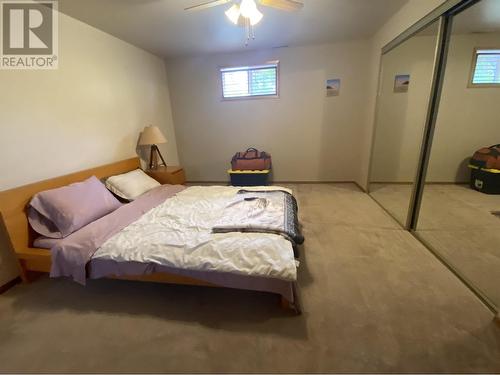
(178, 233)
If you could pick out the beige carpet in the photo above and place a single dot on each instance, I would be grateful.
(457, 222)
(395, 198)
(374, 300)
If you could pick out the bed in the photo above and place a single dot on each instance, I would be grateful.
(21, 237)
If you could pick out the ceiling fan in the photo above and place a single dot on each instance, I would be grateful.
(245, 13)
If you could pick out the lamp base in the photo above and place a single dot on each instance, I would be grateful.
(153, 158)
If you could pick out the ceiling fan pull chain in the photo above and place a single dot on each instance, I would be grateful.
(247, 29)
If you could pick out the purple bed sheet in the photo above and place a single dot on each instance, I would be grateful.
(43, 242)
(71, 255)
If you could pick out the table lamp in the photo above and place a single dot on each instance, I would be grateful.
(152, 136)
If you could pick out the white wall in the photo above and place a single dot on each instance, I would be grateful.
(468, 118)
(88, 112)
(326, 129)
(311, 137)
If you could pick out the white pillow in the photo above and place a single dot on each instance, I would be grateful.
(131, 185)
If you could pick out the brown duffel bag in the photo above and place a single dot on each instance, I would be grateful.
(487, 158)
(251, 159)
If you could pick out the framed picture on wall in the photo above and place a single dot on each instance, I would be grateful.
(401, 83)
(333, 87)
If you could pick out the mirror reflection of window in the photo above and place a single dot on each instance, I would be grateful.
(486, 67)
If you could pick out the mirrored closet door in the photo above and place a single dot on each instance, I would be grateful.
(404, 90)
(435, 163)
(459, 217)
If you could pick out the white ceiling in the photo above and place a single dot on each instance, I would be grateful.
(164, 28)
(483, 17)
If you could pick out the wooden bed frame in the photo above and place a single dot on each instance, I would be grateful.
(20, 236)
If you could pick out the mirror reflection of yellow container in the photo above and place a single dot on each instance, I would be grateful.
(485, 180)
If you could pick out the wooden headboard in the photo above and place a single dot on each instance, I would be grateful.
(13, 202)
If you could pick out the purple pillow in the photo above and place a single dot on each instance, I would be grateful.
(59, 212)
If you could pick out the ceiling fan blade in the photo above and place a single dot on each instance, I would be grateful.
(208, 4)
(289, 5)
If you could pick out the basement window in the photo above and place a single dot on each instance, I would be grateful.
(486, 68)
(258, 81)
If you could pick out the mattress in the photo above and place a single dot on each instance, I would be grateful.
(178, 234)
(170, 230)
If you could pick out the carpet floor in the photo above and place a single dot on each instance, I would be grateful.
(458, 223)
(373, 298)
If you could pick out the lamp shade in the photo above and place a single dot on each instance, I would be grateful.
(151, 135)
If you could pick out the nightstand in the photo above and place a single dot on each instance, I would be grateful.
(168, 175)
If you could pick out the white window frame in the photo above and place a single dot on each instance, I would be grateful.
(248, 67)
(473, 69)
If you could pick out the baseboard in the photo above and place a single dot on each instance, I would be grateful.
(226, 183)
(208, 182)
(280, 182)
(314, 182)
(9, 285)
(360, 187)
(392, 182)
(426, 182)
(448, 183)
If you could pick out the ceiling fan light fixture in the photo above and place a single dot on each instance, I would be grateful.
(233, 13)
(255, 17)
(247, 8)
(245, 13)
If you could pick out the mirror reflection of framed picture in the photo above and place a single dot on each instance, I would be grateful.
(333, 87)
(401, 83)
